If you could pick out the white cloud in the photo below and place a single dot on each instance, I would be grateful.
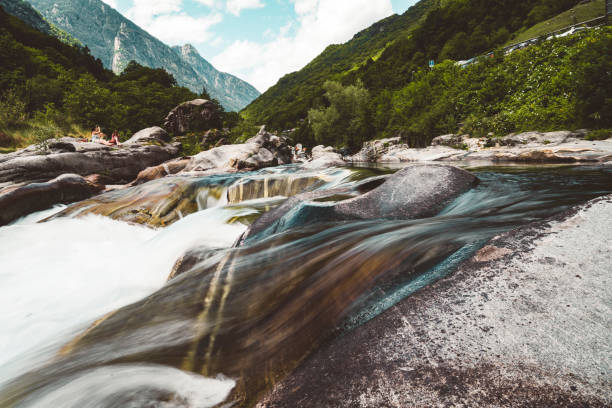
(209, 3)
(165, 20)
(178, 29)
(319, 23)
(236, 6)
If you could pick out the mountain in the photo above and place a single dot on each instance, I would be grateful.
(26, 13)
(50, 88)
(116, 41)
(225, 87)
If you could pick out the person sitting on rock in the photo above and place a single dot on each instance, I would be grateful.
(115, 139)
(95, 135)
(99, 137)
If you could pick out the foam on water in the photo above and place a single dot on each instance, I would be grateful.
(134, 385)
(57, 277)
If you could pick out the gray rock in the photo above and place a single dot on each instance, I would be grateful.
(374, 149)
(117, 163)
(447, 140)
(193, 116)
(417, 191)
(19, 201)
(150, 135)
(323, 157)
(526, 322)
(549, 138)
(262, 150)
(221, 158)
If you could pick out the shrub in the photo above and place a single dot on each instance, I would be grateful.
(42, 133)
(600, 134)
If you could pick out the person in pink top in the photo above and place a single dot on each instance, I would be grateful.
(115, 139)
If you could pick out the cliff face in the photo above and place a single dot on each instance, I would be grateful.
(26, 13)
(230, 90)
(116, 41)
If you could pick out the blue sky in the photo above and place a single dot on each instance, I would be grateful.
(257, 40)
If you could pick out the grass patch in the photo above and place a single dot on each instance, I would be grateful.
(600, 134)
(29, 132)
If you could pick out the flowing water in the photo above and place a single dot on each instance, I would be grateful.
(90, 321)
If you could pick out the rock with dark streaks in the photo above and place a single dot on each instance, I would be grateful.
(417, 191)
(506, 329)
(18, 201)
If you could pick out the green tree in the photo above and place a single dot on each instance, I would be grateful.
(346, 121)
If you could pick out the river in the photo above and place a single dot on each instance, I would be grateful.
(238, 319)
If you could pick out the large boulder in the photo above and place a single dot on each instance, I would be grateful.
(152, 135)
(18, 201)
(417, 191)
(324, 156)
(374, 149)
(263, 150)
(193, 116)
(525, 322)
(119, 164)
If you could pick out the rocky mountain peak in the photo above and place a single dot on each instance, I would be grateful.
(117, 41)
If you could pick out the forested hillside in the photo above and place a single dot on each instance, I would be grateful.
(288, 101)
(543, 87)
(48, 86)
(116, 40)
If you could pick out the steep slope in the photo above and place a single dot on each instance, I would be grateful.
(49, 88)
(116, 41)
(226, 87)
(289, 100)
(391, 53)
(26, 13)
(581, 12)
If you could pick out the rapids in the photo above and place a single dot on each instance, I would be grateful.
(243, 317)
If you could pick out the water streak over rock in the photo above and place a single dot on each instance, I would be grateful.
(18, 201)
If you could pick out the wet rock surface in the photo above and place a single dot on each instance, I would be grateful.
(157, 203)
(20, 200)
(417, 191)
(523, 323)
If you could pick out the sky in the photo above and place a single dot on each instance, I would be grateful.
(257, 40)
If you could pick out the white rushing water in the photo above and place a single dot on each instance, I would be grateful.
(134, 385)
(59, 276)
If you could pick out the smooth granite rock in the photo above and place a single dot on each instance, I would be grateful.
(417, 191)
(149, 135)
(525, 323)
(18, 201)
(121, 164)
